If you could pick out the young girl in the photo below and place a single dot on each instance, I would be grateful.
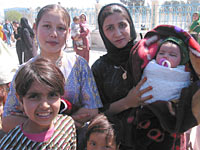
(39, 86)
(101, 134)
(52, 30)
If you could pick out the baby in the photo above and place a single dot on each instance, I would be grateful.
(166, 74)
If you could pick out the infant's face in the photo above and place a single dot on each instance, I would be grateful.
(170, 52)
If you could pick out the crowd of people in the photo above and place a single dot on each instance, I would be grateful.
(54, 100)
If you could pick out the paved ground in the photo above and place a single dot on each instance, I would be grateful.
(95, 53)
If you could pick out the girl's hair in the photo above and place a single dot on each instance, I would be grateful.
(54, 7)
(111, 9)
(101, 124)
(41, 70)
(4, 90)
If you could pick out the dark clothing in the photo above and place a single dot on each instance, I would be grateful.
(153, 126)
(19, 50)
(27, 40)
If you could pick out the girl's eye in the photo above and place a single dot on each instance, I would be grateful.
(46, 26)
(33, 96)
(161, 53)
(92, 143)
(62, 28)
(53, 95)
(174, 55)
(122, 25)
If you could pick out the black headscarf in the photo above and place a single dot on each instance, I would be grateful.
(116, 56)
(24, 24)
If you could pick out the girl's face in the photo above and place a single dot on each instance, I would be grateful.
(41, 105)
(117, 30)
(97, 141)
(170, 52)
(82, 18)
(195, 16)
(52, 32)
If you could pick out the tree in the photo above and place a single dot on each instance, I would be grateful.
(133, 2)
(13, 15)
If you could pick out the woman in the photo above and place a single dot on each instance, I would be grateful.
(84, 34)
(51, 29)
(27, 40)
(119, 85)
(111, 71)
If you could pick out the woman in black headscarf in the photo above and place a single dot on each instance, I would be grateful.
(111, 71)
(154, 126)
(27, 40)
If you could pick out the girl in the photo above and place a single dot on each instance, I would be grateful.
(101, 134)
(84, 34)
(51, 29)
(39, 85)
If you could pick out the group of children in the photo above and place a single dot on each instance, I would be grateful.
(39, 86)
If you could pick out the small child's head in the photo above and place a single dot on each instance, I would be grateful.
(39, 85)
(172, 52)
(195, 16)
(4, 90)
(101, 134)
(76, 20)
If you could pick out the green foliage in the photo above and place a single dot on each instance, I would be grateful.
(13, 15)
(133, 2)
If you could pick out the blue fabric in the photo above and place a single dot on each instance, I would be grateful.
(80, 88)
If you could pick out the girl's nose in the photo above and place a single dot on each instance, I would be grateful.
(53, 33)
(45, 104)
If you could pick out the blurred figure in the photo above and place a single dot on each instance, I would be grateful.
(19, 50)
(194, 29)
(28, 45)
(8, 30)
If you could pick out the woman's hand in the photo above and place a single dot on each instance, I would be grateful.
(78, 118)
(134, 99)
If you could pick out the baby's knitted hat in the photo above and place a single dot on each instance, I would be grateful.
(182, 46)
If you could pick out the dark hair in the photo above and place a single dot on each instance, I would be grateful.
(51, 7)
(41, 70)
(76, 18)
(101, 124)
(111, 9)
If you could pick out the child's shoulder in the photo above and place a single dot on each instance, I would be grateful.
(62, 120)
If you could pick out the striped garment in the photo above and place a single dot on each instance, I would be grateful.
(63, 138)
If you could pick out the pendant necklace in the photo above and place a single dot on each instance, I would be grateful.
(124, 75)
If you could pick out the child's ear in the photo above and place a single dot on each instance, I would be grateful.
(20, 99)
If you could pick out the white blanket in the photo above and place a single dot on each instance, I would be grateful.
(167, 82)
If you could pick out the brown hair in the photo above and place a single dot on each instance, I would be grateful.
(101, 124)
(53, 7)
(41, 70)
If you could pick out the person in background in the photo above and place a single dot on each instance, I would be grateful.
(39, 85)
(7, 71)
(75, 33)
(102, 134)
(84, 33)
(8, 30)
(51, 29)
(194, 29)
(17, 36)
(28, 45)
